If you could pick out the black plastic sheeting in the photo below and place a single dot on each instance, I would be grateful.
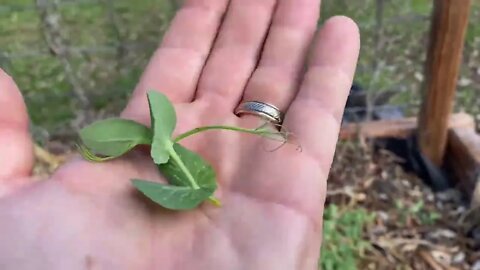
(414, 162)
(357, 111)
(407, 149)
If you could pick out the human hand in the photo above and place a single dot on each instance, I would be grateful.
(88, 216)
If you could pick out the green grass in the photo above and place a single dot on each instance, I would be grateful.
(107, 74)
(416, 211)
(398, 63)
(343, 243)
(393, 64)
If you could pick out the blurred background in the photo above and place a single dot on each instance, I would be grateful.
(78, 60)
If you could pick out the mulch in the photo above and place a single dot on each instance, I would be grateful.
(413, 227)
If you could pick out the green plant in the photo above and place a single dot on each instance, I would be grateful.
(416, 211)
(343, 242)
(191, 179)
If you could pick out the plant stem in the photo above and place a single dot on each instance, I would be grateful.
(194, 131)
(190, 178)
(182, 166)
(215, 201)
(257, 131)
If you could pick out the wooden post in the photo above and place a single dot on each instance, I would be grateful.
(449, 24)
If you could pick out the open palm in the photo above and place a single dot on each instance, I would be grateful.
(216, 54)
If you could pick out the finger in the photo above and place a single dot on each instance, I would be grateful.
(176, 65)
(315, 114)
(277, 76)
(16, 149)
(235, 53)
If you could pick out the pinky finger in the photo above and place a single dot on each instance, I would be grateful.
(315, 114)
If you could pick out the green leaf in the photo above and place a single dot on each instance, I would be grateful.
(115, 136)
(173, 197)
(164, 120)
(197, 168)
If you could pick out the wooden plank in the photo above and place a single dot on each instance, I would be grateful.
(449, 24)
(401, 128)
(462, 161)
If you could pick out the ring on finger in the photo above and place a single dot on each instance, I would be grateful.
(264, 110)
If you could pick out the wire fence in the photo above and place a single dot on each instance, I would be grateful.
(79, 59)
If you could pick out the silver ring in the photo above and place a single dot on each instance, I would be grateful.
(262, 109)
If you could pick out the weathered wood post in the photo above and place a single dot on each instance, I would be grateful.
(448, 29)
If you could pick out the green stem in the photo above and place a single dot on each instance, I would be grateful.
(190, 178)
(182, 166)
(244, 130)
(258, 131)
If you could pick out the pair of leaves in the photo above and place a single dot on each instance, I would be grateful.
(179, 194)
(191, 178)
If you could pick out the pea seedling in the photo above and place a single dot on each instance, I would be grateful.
(191, 179)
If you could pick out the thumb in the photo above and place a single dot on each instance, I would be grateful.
(16, 147)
